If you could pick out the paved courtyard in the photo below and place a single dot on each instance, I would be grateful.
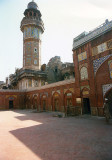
(25, 135)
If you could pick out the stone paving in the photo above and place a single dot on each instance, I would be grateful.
(25, 135)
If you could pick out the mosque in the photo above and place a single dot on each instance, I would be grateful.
(76, 88)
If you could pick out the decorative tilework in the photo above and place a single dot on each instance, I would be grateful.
(94, 51)
(88, 87)
(35, 61)
(58, 91)
(110, 67)
(84, 73)
(30, 83)
(98, 62)
(83, 65)
(28, 48)
(85, 93)
(70, 89)
(31, 32)
(7, 96)
(28, 61)
(110, 64)
(105, 88)
(69, 94)
(45, 93)
(102, 47)
(109, 44)
(82, 56)
(35, 95)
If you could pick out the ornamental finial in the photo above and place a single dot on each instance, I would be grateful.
(32, 0)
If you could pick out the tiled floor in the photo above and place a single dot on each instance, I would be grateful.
(25, 135)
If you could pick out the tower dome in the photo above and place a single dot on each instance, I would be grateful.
(32, 5)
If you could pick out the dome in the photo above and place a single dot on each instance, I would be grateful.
(32, 5)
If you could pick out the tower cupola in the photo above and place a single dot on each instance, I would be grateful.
(32, 5)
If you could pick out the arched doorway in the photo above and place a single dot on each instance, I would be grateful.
(28, 104)
(56, 102)
(11, 101)
(86, 109)
(35, 102)
(86, 106)
(69, 107)
(44, 103)
(11, 104)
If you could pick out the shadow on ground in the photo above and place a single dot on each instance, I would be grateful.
(70, 138)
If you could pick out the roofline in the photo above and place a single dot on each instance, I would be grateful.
(106, 27)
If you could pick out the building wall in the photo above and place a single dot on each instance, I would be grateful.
(10, 95)
(51, 95)
(92, 64)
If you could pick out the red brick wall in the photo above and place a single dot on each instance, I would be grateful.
(16, 97)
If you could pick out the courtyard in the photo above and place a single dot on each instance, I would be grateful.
(26, 135)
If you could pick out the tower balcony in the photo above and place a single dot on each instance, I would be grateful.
(32, 21)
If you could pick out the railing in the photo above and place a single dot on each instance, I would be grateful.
(93, 34)
(34, 21)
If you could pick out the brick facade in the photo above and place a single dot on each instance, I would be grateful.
(11, 99)
(97, 69)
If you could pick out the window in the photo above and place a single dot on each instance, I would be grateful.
(35, 50)
(42, 83)
(30, 14)
(84, 73)
(30, 83)
(36, 83)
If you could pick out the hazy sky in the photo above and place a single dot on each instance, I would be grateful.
(63, 20)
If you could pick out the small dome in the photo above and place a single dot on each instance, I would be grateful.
(32, 5)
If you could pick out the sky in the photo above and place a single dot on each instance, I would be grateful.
(63, 21)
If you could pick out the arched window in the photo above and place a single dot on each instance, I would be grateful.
(30, 13)
(84, 73)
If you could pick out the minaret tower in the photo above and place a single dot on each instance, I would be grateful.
(32, 27)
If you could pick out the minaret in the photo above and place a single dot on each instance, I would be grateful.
(32, 27)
